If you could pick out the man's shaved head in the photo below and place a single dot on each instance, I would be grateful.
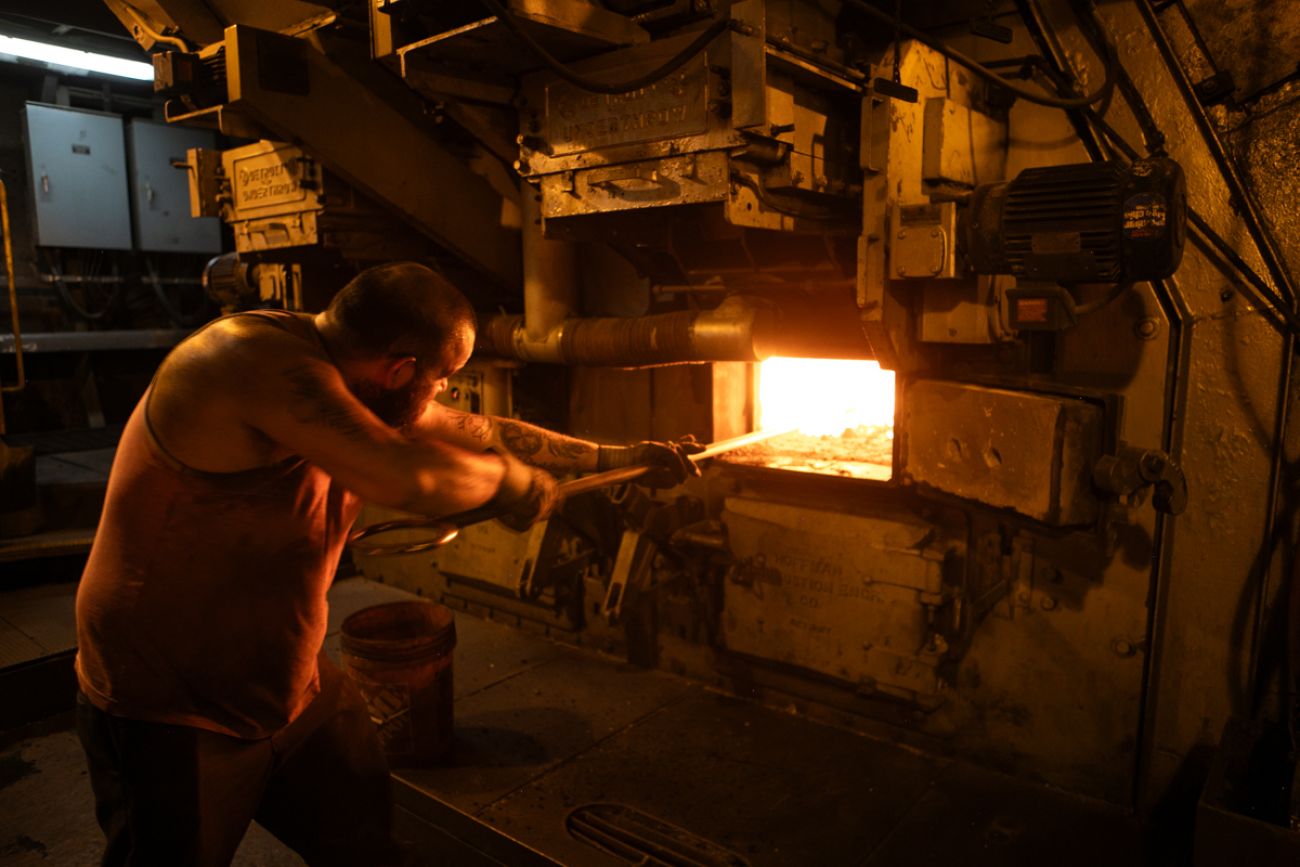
(404, 309)
(398, 311)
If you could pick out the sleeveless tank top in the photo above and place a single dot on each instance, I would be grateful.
(203, 600)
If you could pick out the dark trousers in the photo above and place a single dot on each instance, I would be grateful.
(177, 796)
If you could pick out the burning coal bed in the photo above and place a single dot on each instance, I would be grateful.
(862, 452)
(841, 413)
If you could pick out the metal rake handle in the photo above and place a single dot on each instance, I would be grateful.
(446, 528)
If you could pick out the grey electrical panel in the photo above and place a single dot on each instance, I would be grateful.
(160, 194)
(77, 164)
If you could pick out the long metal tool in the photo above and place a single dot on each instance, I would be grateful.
(446, 528)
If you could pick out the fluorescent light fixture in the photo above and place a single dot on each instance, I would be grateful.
(75, 59)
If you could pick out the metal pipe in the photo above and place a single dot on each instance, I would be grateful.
(550, 277)
(742, 328)
(724, 334)
(13, 295)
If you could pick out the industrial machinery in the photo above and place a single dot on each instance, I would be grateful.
(1046, 541)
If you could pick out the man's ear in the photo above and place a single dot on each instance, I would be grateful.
(399, 372)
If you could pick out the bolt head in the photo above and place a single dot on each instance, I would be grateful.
(1123, 648)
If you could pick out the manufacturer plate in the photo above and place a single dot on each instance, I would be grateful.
(578, 120)
(266, 179)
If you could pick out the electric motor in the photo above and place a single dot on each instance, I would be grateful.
(1099, 222)
(228, 281)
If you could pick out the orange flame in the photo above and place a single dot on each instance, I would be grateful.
(823, 396)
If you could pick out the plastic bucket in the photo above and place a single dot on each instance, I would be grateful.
(399, 655)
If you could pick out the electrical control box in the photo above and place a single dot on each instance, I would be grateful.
(76, 160)
(160, 196)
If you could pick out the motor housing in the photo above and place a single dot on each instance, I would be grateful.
(1102, 222)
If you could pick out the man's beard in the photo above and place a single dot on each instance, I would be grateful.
(396, 407)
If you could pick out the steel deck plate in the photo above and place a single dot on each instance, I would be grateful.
(777, 789)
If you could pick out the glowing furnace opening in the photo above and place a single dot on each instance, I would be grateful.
(842, 413)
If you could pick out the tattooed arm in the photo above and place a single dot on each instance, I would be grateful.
(559, 453)
(528, 442)
(303, 404)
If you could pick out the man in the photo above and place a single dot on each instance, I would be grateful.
(206, 701)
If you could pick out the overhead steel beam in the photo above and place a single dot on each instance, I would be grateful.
(151, 22)
(201, 22)
(299, 95)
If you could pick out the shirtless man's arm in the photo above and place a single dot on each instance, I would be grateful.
(245, 395)
(530, 443)
(553, 451)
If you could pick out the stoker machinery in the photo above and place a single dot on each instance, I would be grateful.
(1061, 547)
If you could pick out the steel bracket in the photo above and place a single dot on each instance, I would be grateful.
(1132, 468)
(636, 553)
